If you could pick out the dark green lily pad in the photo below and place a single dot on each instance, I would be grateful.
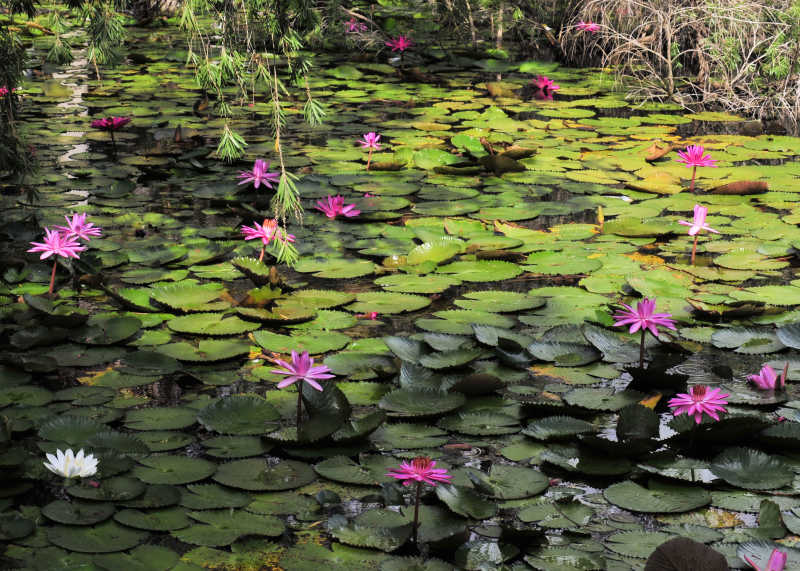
(259, 475)
(239, 414)
(659, 497)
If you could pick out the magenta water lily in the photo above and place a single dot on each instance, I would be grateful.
(767, 379)
(301, 369)
(776, 562)
(267, 232)
(421, 470)
(334, 206)
(78, 227)
(545, 87)
(698, 401)
(260, 175)
(399, 44)
(57, 243)
(694, 156)
(354, 26)
(697, 225)
(587, 26)
(643, 318)
(111, 125)
(370, 141)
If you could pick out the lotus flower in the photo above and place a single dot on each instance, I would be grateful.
(333, 206)
(266, 232)
(587, 26)
(371, 142)
(352, 26)
(301, 369)
(421, 470)
(698, 401)
(697, 224)
(58, 244)
(78, 227)
(693, 157)
(643, 318)
(260, 175)
(399, 44)
(777, 561)
(71, 465)
(110, 123)
(767, 378)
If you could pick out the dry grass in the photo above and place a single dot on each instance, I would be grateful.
(738, 55)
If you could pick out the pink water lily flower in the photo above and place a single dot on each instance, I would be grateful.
(697, 224)
(267, 231)
(698, 401)
(767, 378)
(259, 175)
(421, 469)
(545, 83)
(587, 26)
(57, 244)
(4, 91)
(353, 25)
(643, 318)
(301, 369)
(777, 561)
(694, 157)
(399, 44)
(334, 206)
(370, 141)
(78, 227)
(110, 123)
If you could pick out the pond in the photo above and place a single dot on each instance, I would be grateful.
(465, 314)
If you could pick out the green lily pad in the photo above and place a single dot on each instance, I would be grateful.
(751, 469)
(173, 470)
(659, 497)
(210, 324)
(259, 475)
(104, 538)
(239, 414)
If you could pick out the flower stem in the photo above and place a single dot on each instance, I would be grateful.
(694, 248)
(691, 186)
(53, 277)
(416, 514)
(261, 257)
(299, 408)
(641, 350)
(369, 158)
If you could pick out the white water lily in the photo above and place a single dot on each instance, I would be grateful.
(71, 465)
